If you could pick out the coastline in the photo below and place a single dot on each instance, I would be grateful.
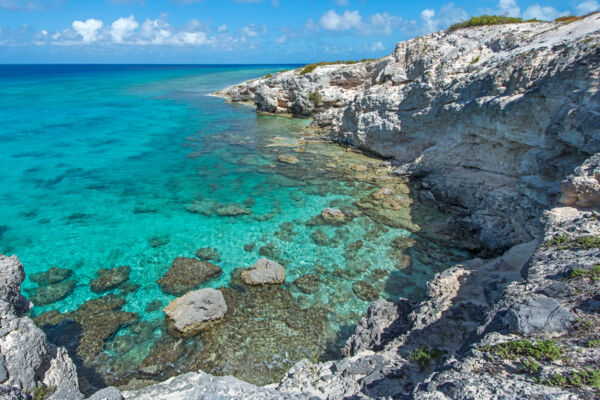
(452, 344)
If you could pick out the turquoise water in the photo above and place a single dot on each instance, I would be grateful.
(100, 163)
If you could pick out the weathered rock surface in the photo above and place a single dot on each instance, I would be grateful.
(187, 274)
(264, 272)
(490, 119)
(582, 188)
(208, 253)
(28, 358)
(109, 279)
(195, 311)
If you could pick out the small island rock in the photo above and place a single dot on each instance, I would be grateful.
(194, 312)
(264, 271)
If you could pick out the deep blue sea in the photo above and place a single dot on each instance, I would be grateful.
(104, 166)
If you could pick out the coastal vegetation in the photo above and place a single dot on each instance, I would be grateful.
(485, 20)
(311, 67)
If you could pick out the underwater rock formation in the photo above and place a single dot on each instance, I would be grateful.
(264, 272)
(109, 279)
(194, 312)
(187, 274)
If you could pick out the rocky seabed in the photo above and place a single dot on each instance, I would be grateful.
(501, 124)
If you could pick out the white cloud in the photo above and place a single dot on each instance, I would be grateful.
(448, 14)
(311, 26)
(333, 21)
(544, 13)
(587, 7)
(281, 39)
(89, 30)
(222, 28)
(377, 46)
(26, 5)
(509, 8)
(122, 28)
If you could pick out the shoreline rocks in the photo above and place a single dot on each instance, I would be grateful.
(194, 312)
(109, 279)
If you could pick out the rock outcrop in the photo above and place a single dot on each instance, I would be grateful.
(187, 274)
(490, 119)
(27, 359)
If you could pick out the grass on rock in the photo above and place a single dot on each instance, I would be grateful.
(485, 20)
(307, 69)
(541, 350)
(424, 356)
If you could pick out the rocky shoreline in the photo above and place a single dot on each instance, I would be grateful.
(499, 124)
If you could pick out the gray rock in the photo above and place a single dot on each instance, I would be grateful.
(383, 321)
(109, 393)
(65, 393)
(12, 275)
(582, 188)
(11, 393)
(208, 253)
(3, 371)
(53, 275)
(538, 314)
(264, 272)
(187, 274)
(195, 311)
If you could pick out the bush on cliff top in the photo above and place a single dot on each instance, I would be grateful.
(485, 20)
(311, 67)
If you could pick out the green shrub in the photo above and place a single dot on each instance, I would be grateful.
(41, 392)
(542, 350)
(315, 97)
(583, 242)
(593, 274)
(568, 18)
(311, 67)
(268, 75)
(485, 20)
(423, 356)
(585, 377)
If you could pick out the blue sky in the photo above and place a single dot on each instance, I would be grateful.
(236, 31)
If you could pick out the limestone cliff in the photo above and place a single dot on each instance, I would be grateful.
(491, 119)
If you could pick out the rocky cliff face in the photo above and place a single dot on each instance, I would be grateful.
(502, 122)
(491, 119)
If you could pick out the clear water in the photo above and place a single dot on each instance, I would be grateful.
(99, 160)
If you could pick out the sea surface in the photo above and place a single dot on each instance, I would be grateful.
(125, 165)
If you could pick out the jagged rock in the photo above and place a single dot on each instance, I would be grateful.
(195, 311)
(287, 158)
(383, 321)
(308, 283)
(187, 274)
(208, 253)
(582, 188)
(199, 385)
(365, 291)
(53, 275)
(52, 293)
(12, 393)
(109, 279)
(263, 272)
(11, 276)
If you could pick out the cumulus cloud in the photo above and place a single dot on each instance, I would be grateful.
(333, 21)
(222, 28)
(544, 13)
(509, 8)
(587, 7)
(448, 14)
(122, 28)
(89, 30)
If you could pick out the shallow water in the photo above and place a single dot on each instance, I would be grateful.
(102, 166)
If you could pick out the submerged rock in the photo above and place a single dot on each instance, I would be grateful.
(187, 274)
(194, 312)
(208, 253)
(263, 272)
(153, 305)
(287, 158)
(232, 210)
(308, 283)
(365, 291)
(158, 241)
(53, 275)
(333, 216)
(109, 279)
(320, 238)
(48, 294)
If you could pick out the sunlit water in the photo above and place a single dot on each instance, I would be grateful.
(100, 166)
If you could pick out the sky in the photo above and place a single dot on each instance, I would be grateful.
(237, 31)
